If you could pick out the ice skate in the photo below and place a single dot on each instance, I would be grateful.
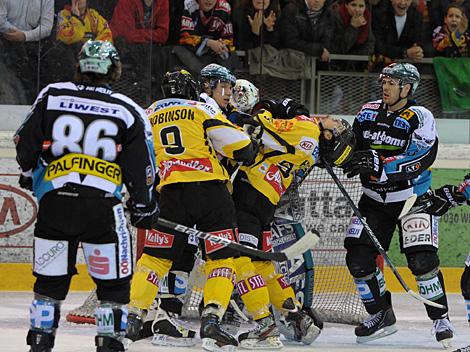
(169, 331)
(40, 341)
(444, 332)
(232, 320)
(463, 349)
(377, 326)
(134, 326)
(297, 325)
(213, 337)
(265, 336)
(108, 344)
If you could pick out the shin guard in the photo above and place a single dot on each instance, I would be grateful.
(431, 286)
(144, 286)
(252, 288)
(218, 288)
(278, 287)
(372, 290)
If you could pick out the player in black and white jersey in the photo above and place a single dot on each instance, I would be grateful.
(396, 145)
(76, 149)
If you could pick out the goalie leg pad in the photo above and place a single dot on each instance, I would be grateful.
(372, 291)
(144, 287)
(219, 285)
(252, 288)
(278, 287)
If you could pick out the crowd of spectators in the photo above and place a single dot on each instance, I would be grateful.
(40, 38)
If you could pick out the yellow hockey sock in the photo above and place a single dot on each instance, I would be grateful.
(278, 287)
(252, 288)
(144, 285)
(219, 284)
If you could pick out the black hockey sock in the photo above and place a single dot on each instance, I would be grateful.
(372, 291)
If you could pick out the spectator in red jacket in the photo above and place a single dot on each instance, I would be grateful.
(206, 35)
(140, 29)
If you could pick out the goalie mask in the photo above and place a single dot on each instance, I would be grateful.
(244, 96)
(337, 141)
(100, 58)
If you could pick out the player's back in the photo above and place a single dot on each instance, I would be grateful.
(83, 130)
(188, 137)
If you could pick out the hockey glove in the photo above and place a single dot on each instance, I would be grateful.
(282, 108)
(143, 216)
(364, 162)
(26, 182)
(445, 198)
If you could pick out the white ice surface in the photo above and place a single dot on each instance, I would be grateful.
(414, 332)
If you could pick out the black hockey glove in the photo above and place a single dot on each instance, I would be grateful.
(26, 182)
(143, 216)
(364, 162)
(282, 108)
(443, 199)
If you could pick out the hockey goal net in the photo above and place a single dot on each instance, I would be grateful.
(325, 209)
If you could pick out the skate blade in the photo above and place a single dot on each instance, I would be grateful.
(388, 330)
(311, 335)
(165, 340)
(270, 343)
(446, 343)
(211, 345)
(463, 349)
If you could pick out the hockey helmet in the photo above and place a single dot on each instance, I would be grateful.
(338, 149)
(180, 84)
(244, 95)
(97, 56)
(404, 72)
(214, 73)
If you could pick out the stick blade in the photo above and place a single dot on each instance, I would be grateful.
(424, 300)
(305, 243)
(407, 206)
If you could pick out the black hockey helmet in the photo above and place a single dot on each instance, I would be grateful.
(406, 74)
(337, 150)
(180, 84)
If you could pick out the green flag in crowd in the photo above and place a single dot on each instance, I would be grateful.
(453, 78)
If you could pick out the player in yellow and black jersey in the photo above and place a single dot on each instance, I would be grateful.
(188, 136)
(287, 144)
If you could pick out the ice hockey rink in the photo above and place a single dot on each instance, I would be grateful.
(414, 329)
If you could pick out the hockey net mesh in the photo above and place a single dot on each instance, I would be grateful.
(325, 209)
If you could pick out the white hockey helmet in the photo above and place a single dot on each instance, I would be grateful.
(244, 95)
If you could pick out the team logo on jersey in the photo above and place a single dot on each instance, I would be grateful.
(307, 145)
(172, 165)
(274, 178)
(367, 115)
(283, 125)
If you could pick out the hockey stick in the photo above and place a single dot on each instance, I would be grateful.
(304, 244)
(418, 209)
(408, 206)
(376, 242)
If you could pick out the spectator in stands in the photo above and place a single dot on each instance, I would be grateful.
(255, 23)
(176, 12)
(452, 39)
(76, 23)
(308, 26)
(437, 10)
(23, 23)
(140, 29)
(353, 29)
(397, 27)
(206, 35)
